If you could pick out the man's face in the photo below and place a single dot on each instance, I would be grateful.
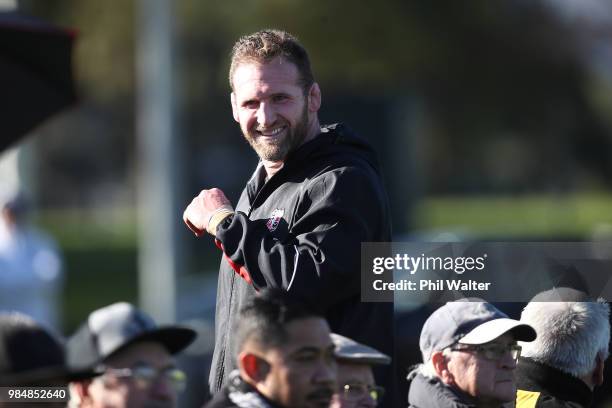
(302, 372)
(269, 103)
(117, 390)
(354, 383)
(486, 379)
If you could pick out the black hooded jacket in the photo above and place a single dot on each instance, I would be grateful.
(543, 386)
(302, 231)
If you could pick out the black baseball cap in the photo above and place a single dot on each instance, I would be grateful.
(113, 328)
(31, 355)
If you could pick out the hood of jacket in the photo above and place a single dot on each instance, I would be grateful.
(336, 145)
(337, 140)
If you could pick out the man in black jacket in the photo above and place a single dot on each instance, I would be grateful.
(565, 363)
(315, 196)
(285, 357)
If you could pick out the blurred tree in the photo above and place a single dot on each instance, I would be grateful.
(508, 100)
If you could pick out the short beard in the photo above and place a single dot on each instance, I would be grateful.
(291, 141)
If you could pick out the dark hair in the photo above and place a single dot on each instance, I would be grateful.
(265, 45)
(265, 317)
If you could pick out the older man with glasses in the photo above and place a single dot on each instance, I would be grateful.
(470, 352)
(135, 356)
(356, 386)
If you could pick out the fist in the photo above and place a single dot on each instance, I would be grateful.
(198, 213)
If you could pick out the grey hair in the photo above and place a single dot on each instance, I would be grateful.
(427, 369)
(570, 334)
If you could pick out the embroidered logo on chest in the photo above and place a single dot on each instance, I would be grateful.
(275, 218)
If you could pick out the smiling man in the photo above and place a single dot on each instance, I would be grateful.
(315, 196)
(285, 357)
(470, 353)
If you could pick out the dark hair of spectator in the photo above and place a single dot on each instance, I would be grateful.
(265, 317)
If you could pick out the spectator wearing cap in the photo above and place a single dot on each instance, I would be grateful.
(135, 356)
(285, 357)
(356, 386)
(469, 351)
(565, 363)
(32, 356)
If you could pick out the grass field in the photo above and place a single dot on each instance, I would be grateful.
(543, 216)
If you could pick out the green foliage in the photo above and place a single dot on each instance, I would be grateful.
(100, 258)
(576, 216)
(96, 277)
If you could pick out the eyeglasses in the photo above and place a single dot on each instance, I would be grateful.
(355, 392)
(144, 376)
(494, 352)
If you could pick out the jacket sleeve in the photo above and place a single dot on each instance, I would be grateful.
(319, 261)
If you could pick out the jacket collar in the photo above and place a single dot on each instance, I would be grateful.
(329, 135)
(244, 395)
(535, 376)
(335, 140)
(431, 392)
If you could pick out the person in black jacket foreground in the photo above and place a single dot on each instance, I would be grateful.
(469, 351)
(285, 357)
(315, 196)
(566, 362)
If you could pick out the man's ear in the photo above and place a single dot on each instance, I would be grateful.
(234, 106)
(253, 369)
(314, 98)
(440, 364)
(80, 390)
